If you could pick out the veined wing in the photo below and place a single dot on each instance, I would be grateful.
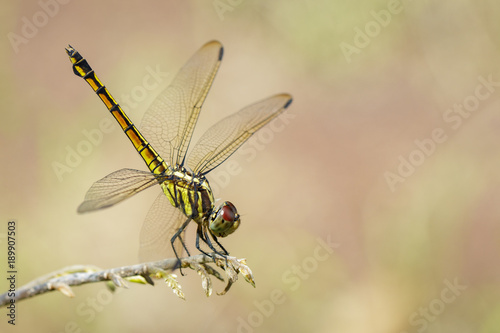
(117, 187)
(169, 122)
(222, 139)
(162, 222)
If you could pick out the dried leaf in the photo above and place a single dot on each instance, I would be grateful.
(246, 272)
(210, 270)
(171, 281)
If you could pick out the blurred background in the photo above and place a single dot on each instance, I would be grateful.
(371, 206)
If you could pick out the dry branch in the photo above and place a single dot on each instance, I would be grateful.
(143, 273)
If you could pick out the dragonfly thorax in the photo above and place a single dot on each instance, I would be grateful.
(191, 194)
(224, 220)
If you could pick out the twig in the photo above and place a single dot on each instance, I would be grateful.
(61, 280)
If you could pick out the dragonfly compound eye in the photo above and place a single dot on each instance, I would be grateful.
(226, 220)
(228, 212)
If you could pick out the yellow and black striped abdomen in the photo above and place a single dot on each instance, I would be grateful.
(81, 68)
(190, 194)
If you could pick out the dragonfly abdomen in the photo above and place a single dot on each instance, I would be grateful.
(192, 195)
(81, 68)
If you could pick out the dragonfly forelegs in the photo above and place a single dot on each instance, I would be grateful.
(222, 247)
(203, 234)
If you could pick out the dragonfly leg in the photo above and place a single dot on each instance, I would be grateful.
(178, 235)
(184, 245)
(206, 238)
(199, 234)
(222, 247)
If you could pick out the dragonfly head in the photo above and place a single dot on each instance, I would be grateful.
(224, 220)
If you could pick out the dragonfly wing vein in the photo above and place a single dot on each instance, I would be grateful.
(161, 223)
(170, 120)
(117, 187)
(222, 139)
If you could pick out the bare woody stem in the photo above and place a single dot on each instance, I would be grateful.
(78, 275)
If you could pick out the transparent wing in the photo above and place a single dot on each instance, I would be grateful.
(117, 187)
(162, 222)
(222, 139)
(169, 122)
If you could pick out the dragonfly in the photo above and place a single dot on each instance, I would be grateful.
(168, 125)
